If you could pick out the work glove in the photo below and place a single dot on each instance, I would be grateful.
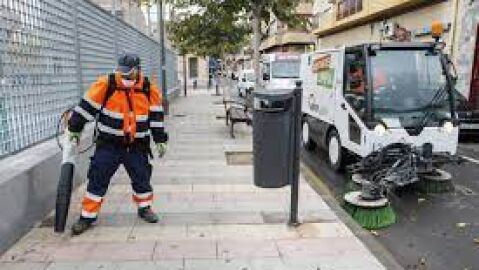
(161, 148)
(73, 136)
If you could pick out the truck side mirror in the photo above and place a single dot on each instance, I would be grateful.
(265, 77)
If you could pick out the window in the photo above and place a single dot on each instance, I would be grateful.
(193, 67)
(285, 69)
(410, 85)
(348, 7)
(355, 78)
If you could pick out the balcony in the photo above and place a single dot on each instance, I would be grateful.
(285, 38)
(329, 23)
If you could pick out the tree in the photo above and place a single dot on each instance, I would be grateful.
(215, 27)
(209, 29)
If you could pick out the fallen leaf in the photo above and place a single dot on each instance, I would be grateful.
(375, 233)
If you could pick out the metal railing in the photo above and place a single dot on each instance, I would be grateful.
(50, 52)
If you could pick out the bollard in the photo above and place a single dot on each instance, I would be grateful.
(296, 143)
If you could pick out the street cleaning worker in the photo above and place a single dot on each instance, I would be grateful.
(128, 110)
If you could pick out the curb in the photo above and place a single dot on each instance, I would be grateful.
(382, 254)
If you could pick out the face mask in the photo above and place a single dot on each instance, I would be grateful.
(127, 82)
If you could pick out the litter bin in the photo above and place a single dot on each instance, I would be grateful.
(273, 138)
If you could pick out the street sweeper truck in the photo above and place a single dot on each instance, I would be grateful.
(390, 107)
(359, 99)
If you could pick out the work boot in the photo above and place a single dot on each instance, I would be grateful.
(81, 226)
(147, 214)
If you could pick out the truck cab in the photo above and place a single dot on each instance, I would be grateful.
(361, 98)
(280, 70)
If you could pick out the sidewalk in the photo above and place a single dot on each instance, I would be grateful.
(213, 218)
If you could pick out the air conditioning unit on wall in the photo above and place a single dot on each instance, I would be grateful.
(389, 29)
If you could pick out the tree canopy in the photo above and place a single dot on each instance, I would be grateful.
(216, 27)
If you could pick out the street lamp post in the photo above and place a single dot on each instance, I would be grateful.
(161, 28)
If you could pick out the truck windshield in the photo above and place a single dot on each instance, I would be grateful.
(249, 77)
(407, 84)
(285, 69)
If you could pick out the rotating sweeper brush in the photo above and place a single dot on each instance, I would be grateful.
(387, 169)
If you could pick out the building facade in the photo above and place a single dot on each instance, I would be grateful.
(127, 10)
(358, 21)
(197, 71)
(282, 38)
(466, 49)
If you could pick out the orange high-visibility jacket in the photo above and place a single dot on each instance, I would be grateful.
(118, 122)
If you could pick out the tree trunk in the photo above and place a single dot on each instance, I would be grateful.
(256, 42)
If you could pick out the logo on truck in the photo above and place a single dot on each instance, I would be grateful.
(325, 73)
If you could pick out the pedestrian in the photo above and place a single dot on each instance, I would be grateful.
(127, 109)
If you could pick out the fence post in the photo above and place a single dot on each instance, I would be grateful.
(161, 26)
(77, 49)
(115, 30)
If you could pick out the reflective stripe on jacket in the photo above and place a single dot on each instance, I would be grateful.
(118, 122)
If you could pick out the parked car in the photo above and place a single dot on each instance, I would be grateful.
(246, 82)
(467, 116)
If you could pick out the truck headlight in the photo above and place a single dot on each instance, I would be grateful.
(380, 130)
(448, 127)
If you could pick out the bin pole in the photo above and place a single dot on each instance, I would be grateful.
(298, 94)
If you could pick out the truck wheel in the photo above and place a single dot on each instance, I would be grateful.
(306, 140)
(335, 151)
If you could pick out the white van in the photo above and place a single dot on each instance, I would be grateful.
(280, 70)
(245, 82)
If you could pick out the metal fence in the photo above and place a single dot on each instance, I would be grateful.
(50, 52)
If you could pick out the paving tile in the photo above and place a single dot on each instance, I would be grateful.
(155, 232)
(186, 249)
(43, 234)
(29, 252)
(183, 218)
(119, 251)
(155, 265)
(218, 264)
(123, 265)
(222, 217)
(313, 263)
(118, 219)
(365, 262)
(321, 230)
(320, 247)
(271, 263)
(255, 232)
(207, 231)
(104, 234)
(81, 265)
(237, 249)
(72, 252)
(23, 266)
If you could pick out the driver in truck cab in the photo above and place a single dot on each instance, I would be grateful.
(357, 79)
